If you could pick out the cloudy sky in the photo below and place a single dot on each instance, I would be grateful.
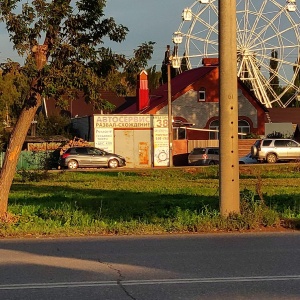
(154, 20)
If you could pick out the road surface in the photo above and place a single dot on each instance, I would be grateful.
(169, 267)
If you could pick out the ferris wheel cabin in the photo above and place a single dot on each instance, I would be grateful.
(291, 5)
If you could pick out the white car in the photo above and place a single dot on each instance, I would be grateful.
(272, 150)
(247, 159)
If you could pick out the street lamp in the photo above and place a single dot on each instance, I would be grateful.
(170, 126)
(175, 61)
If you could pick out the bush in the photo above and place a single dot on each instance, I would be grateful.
(255, 212)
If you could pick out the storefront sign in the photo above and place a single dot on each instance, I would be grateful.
(122, 121)
(104, 139)
(104, 126)
(161, 140)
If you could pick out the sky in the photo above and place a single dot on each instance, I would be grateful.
(154, 20)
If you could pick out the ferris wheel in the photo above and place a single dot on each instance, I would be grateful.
(268, 45)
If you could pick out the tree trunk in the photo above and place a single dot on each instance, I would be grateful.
(21, 128)
(13, 151)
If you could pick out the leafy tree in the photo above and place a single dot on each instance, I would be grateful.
(153, 78)
(274, 80)
(137, 63)
(53, 125)
(297, 75)
(287, 95)
(184, 65)
(59, 39)
(13, 86)
(275, 135)
(164, 67)
(297, 78)
(164, 73)
(121, 73)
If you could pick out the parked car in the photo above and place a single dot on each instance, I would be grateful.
(273, 150)
(204, 156)
(79, 157)
(247, 159)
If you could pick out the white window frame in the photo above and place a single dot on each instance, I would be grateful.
(243, 127)
(214, 135)
(176, 133)
(202, 95)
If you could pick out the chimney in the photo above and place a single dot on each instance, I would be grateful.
(142, 91)
(210, 61)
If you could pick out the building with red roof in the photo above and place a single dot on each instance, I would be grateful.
(195, 105)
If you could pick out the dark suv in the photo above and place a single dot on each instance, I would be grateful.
(271, 150)
(204, 156)
(78, 157)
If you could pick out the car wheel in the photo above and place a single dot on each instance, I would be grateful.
(72, 164)
(271, 158)
(113, 163)
(253, 150)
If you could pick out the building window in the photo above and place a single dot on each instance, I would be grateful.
(201, 95)
(179, 133)
(244, 127)
(214, 126)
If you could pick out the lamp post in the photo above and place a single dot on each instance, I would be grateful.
(173, 60)
(170, 118)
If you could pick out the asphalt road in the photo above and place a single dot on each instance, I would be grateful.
(217, 266)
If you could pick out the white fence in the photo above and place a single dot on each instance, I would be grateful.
(243, 144)
(201, 144)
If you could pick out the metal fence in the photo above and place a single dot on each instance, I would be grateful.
(243, 144)
(30, 160)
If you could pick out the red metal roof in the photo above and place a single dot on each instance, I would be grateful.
(284, 115)
(179, 85)
(80, 108)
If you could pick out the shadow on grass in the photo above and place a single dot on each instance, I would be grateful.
(114, 205)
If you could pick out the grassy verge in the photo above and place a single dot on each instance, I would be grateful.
(148, 201)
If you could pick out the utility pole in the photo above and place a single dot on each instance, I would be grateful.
(170, 118)
(229, 192)
(168, 61)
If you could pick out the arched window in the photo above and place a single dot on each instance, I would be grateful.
(214, 125)
(243, 127)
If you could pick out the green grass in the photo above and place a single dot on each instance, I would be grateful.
(148, 201)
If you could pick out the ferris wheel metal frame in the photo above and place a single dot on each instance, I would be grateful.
(268, 45)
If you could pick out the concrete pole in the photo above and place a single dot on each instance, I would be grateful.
(170, 118)
(228, 105)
